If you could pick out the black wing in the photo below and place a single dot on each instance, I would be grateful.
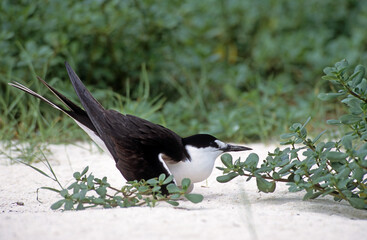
(134, 143)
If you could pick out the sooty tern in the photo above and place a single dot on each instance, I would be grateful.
(141, 149)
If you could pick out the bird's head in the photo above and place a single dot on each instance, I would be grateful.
(207, 147)
(201, 152)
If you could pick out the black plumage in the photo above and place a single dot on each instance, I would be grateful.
(141, 149)
(134, 143)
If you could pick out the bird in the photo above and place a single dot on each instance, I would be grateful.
(141, 149)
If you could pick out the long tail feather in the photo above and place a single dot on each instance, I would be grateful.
(29, 91)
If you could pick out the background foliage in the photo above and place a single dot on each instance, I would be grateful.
(335, 167)
(241, 70)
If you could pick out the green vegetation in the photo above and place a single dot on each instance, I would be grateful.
(337, 168)
(88, 191)
(240, 70)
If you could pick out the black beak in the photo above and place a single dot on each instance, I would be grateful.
(235, 148)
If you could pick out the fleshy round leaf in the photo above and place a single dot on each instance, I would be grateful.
(64, 192)
(336, 156)
(172, 188)
(77, 175)
(85, 170)
(357, 203)
(173, 203)
(227, 160)
(162, 177)
(252, 160)
(226, 178)
(265, 186)
(194, 198)
(168, 179)
(101, 191)
(329, 96)
(152, 181)
(358, 75)
(185, 183)
(69, 204)
(57, 204)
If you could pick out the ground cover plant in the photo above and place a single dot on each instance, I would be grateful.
(88, 191)
(335, 167)
(237, 69)
(243, 77)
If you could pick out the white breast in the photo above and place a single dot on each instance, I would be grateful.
(199, 168)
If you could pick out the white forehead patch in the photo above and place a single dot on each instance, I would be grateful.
(221, 144)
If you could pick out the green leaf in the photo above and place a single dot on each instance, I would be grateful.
(142, 189)
(265, 186)
(175, 196)
(311, 195)
(101, 191)
(156, 189)
(226, 178)
(98, 201)
(293, 187)
(331, 78)
(358, 174)
(252, 160)
(57, 204)
(347, 141)
(76, 175)
(329, 96)
(333, 122)
(90, 179)
(297, 178)
(185, 183)
(194, 198)
(287, 135)
(354, 105)
(68, 204)
(336, 156)
(276, 175)
(64, 193)
(162, 177)
(349, 119)
(357, 203)
(172, 188)
(80, 206)
(307, 121)
(341, 66)
(358, 75)
(344, 173)
(85, 170)
(318, 137)
(286, 168)
(227, 160)
(152, 181)
(329, 70)
(168, 180)
(173, 203)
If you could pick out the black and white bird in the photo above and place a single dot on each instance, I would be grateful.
(141, 149)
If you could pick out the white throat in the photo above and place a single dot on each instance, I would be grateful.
(199, 168)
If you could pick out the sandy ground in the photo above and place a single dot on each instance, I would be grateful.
(235, 210)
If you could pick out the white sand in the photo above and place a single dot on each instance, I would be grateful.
(235, 210)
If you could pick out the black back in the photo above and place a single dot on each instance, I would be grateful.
(133, 142)
(136, 143)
